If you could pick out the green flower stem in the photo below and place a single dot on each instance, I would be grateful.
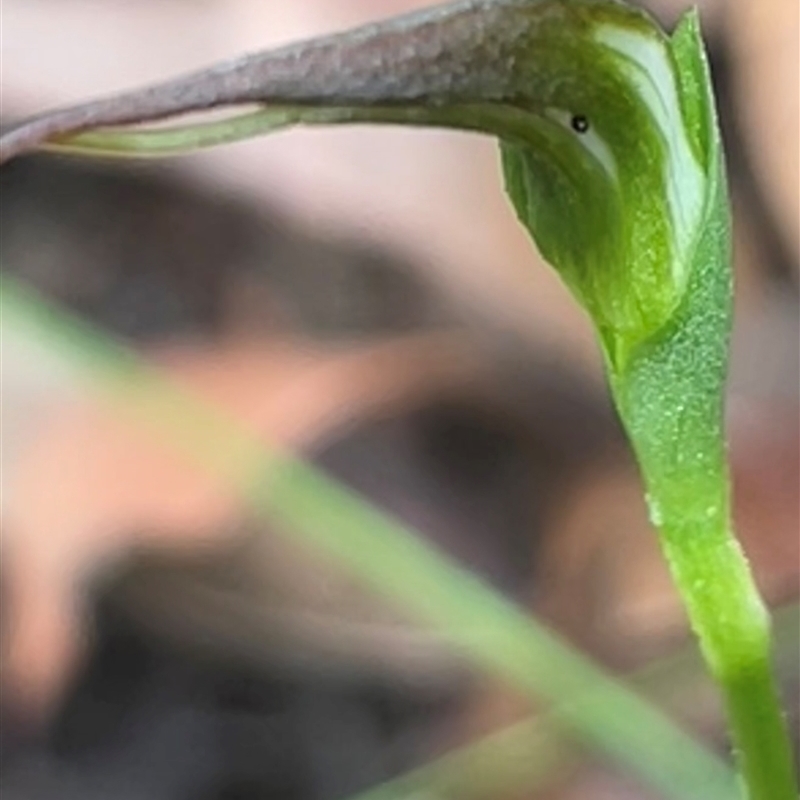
(731, 622)
(732, 625)
(669, 394)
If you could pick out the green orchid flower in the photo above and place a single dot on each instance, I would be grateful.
(609, 148)
(612, 158)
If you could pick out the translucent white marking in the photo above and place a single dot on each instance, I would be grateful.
(588, 139)
(648, 67)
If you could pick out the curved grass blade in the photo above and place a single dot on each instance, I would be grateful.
(495, 634)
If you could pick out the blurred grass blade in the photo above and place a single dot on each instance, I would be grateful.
(531, 754)
(493, 632)
(525, 756)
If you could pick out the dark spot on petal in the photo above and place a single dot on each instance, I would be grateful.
(579, 123)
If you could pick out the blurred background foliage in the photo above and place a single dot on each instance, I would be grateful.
(365, 298)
